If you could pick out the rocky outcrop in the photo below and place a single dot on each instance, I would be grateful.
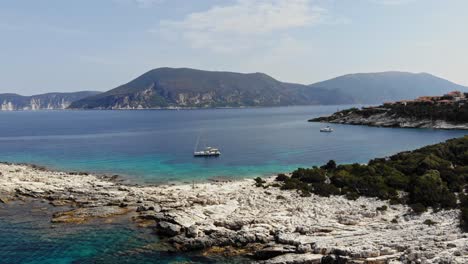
(275, 226)
(385, 119)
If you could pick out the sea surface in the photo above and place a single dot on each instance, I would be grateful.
(156, 146)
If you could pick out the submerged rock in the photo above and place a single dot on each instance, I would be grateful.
(81, 215)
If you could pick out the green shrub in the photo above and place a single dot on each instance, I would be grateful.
(331, 165)
(281, 177)
(464, 219)
(352, 196)
(430, 190)
(313, 175)
(418, 208)
(429, 222)
(291, 184)
(259, 182)
(394, 201)
(464, 212)
(326, 190)
(431, 176)
(382, 208)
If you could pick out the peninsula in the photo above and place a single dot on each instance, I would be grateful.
(449, 111)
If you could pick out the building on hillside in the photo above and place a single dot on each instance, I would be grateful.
(455, 96)
(445, 101)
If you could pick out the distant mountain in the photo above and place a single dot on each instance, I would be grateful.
(183, 87)
(369, 88)
(49, 101)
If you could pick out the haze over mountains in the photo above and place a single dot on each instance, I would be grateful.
(371, 88)
(184, 87)
(49, 101)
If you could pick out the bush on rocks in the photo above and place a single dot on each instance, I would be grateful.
(281, 177)
(324, 189)
(431, 176)
(382, 208)
(259, 182)
(418, 208)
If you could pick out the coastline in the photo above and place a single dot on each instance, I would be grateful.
(268, 224)
(383, 120)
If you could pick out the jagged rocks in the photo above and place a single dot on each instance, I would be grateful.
(169, 229)
(273, 251)
(295, 259)
(239, 215)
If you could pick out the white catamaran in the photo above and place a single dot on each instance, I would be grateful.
(207, 152)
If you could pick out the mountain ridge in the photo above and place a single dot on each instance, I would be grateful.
(194, 88)
(185, 87)
(392, 86)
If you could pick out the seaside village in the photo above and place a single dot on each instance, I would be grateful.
(455, 97)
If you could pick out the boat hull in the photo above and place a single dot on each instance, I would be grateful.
(206, 155)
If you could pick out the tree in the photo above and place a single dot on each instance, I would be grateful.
(331, 165)
(430, 190)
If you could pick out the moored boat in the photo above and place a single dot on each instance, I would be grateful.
(326, 129)
(207, 152)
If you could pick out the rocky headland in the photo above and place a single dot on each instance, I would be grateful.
(449, 111)
(384, 118)
(266, 223)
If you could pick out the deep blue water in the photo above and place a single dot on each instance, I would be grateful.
(157, 146)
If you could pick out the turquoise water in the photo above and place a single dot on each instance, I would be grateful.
(28, 237)
(157, 146)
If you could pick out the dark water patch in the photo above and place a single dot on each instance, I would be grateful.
(28, 236)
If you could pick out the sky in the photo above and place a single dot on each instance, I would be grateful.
(65, 45)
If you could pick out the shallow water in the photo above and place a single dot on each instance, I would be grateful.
(157, 145)
(27, 236)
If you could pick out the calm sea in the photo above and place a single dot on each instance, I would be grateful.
(157, 146)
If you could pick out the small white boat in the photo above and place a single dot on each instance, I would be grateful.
(326, 129)
(207, 152)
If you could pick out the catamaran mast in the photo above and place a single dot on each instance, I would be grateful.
(196, 145)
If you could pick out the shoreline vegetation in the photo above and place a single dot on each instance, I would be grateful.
(449, 111)
(407, 208)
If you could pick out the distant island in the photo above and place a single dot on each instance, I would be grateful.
(48, 101)
(175, 88)
(449, 111)
(191, 88)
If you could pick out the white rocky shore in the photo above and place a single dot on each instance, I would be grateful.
(386, 120)
(274, 226)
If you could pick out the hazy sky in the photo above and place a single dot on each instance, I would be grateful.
(65, 45)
